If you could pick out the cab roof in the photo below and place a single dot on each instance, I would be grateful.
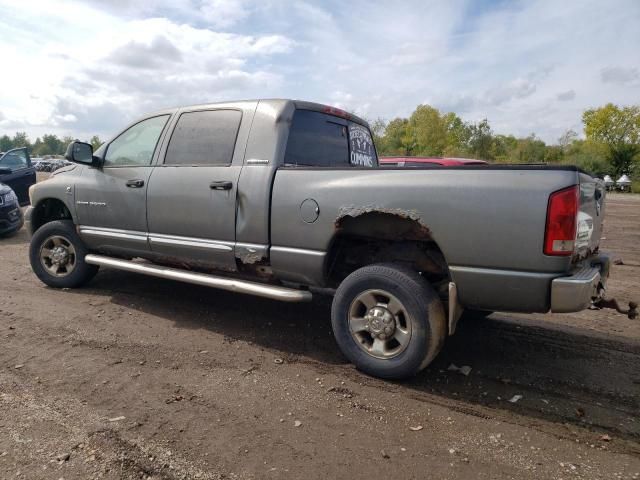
(277, 103)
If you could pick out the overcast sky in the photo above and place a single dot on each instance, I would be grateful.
(90, 67)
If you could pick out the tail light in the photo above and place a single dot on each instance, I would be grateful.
(562, 213)
(336, 112)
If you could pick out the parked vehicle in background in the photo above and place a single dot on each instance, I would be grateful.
(50, 164)
(17, 172)
(11, 218)
(608, 182)
(428, 161)
(624, 183)
(285, 199)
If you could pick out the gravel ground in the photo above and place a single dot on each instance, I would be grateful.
(136, 377)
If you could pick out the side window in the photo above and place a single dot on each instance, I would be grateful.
(14, 160)
(204, 138)
(135, 146)
(318, 140)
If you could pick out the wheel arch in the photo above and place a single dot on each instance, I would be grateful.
(367, 236)
(47, 210)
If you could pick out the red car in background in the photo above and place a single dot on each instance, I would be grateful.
(426, 161)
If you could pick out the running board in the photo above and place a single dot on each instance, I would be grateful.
(233, 285)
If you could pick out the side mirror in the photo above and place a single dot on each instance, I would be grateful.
(80, 152)
(5, 171)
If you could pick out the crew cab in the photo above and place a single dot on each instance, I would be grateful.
(286, 199)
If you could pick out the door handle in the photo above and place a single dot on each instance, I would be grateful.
(221, 185)
(135, 183)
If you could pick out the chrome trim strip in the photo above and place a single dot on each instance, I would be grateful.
(299, 251)
(497, 271)
(188, 242)
(230, 284)
(157, 238)
(253, 246)
(114, 233)
(257, 161)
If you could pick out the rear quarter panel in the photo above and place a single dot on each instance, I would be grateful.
(481, 217)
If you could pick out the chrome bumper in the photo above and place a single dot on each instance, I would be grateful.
(578, 291)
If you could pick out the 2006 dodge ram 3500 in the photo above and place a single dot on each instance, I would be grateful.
(285, 199)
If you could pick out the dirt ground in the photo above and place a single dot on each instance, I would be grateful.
(136, 377)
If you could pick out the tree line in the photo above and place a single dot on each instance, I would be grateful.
(611, 142)
(48, 144)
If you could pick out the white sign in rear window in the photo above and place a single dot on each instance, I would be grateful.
(362, 151)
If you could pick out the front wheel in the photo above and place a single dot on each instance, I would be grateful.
(57, 256)
(388, 321)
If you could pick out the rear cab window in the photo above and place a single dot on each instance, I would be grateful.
(318, 139)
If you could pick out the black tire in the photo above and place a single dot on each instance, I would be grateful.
(421, 304)
(475, 314)
(81, 273)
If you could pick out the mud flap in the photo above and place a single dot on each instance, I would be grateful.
(455, 309)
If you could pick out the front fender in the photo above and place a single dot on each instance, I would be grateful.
(59, 187)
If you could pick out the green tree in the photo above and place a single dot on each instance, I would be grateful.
(588, 155)
(5, 143)
(458, 134)
(51, 145)
(20, 139)
(36, 147)
(64, 143)
(397, 138)
(530, 150)
(503, 147)
(481, 140)
(96, 142)
(428, 129)
(619, 129)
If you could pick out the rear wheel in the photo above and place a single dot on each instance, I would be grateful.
(388, 320)
(57, 256)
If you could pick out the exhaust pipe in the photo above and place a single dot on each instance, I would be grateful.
(233, 285)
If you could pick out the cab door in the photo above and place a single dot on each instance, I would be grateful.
(17, 172)
(111, 200)
(191, 201)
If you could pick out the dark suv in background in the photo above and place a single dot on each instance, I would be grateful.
(11, 218)
(17, 172)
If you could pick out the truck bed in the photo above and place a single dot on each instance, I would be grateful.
(488, 220)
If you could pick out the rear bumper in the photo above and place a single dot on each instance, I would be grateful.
(577, 291)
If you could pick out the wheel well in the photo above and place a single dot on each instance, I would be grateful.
(49, 210)
(374, 236)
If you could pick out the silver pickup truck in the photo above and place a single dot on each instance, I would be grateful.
(285, 199)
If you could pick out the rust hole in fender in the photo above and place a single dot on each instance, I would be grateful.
(383, 223)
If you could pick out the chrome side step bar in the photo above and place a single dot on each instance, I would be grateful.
(233, 285)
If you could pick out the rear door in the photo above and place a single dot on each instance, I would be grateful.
(191, 201)
(111, 200)
(22, 174)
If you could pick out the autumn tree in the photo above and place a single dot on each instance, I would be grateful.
(619, 129)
